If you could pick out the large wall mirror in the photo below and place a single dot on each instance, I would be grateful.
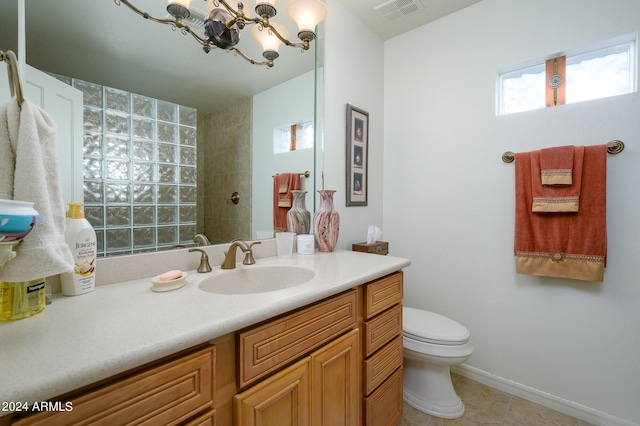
(245, 105)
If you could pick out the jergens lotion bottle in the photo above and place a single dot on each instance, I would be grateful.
(81, 239)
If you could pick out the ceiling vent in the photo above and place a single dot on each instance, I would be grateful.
(393, 10)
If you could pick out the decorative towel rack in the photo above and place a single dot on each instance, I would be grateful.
(14, 79)
(613, 147)
(305, 174)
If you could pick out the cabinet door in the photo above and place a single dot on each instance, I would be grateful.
(335, 396)
(281, 400)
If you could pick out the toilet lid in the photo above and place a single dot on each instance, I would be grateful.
(430, 327)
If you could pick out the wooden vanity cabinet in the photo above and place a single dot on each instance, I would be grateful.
(321, 387)
(382, 351)
(334, 362)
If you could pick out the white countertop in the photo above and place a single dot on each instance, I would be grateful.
(80, 340)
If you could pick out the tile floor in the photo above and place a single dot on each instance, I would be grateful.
(488, 406)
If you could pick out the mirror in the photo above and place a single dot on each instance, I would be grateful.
(108, 44)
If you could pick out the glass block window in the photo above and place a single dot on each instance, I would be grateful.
(139, 170)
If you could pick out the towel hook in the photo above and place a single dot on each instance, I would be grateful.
(613, 147)
(14, 78)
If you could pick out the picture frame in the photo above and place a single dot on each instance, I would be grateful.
(357, 183)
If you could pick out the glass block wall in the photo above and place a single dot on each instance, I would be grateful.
(140, 180)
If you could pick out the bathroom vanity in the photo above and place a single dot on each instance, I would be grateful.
(328, 351)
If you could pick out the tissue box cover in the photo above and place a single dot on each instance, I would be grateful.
(379, 247)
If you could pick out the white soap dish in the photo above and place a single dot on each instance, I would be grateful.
(168, 285)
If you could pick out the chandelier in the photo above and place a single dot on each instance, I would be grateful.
(223, 24)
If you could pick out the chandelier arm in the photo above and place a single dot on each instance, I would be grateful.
(204, 41)
(268, 64)
(266, 24)
(145, 15)
(175, 23)
(226, 5)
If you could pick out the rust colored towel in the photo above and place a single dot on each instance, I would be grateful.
(556, 165)
(556, 198)
(565, 245)
(283, 183)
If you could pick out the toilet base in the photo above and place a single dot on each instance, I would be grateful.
(428, 388)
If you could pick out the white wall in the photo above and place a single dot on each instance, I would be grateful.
(353, 75)
(279, 107)
(449, 199)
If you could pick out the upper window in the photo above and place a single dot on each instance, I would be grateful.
(292, 138)
(589, 74)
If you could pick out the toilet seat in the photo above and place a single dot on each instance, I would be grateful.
(429, 327)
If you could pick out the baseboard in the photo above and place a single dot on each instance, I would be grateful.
(555, 403)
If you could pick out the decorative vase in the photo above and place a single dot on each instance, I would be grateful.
(326, 222)
(298, 218)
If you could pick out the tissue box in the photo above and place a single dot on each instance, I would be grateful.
(379, 247)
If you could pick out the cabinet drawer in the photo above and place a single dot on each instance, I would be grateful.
(384, 406)
(206, 419)
(276, 343)
(167, 394)
(381, 329)
(381, 364)
(382, 294)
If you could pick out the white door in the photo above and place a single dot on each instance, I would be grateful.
(64, 104)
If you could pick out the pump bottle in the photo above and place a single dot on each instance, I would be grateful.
(81, 239)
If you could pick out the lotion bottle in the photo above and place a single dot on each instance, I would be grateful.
(81, 239)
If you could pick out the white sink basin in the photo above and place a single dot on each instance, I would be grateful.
(256, 279)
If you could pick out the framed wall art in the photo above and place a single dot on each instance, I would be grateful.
(357, 156)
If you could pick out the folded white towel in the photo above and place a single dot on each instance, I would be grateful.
(29, 164)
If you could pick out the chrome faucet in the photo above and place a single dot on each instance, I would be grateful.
(201, 240)
(230, 255)
(204, 261)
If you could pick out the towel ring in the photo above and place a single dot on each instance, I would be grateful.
(14, 78)
(613, 147)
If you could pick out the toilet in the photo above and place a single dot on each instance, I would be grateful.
(431, 344)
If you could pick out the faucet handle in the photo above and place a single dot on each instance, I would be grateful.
(248, 254)
(204, 261)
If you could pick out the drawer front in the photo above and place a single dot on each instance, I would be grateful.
(382, 294)
(276, 343)
(381, 329)
(167, 394)
(381, 364)
(384, 406)
(206, 419)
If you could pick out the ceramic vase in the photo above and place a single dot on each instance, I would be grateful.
(298, 218)
(326, 222)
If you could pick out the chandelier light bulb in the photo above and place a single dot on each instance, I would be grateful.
(266, 8)
(269, 41)
(307, 13)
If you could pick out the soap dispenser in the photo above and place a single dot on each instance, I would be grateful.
(81, 239)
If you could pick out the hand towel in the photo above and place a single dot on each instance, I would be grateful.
(28, 139)
(563, 245)
(556, 198)
(556, 165)
(283, 184)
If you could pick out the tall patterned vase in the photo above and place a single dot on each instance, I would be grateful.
(298, 218)
(326, 222)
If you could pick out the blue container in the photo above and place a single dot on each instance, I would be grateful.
(17, 218)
